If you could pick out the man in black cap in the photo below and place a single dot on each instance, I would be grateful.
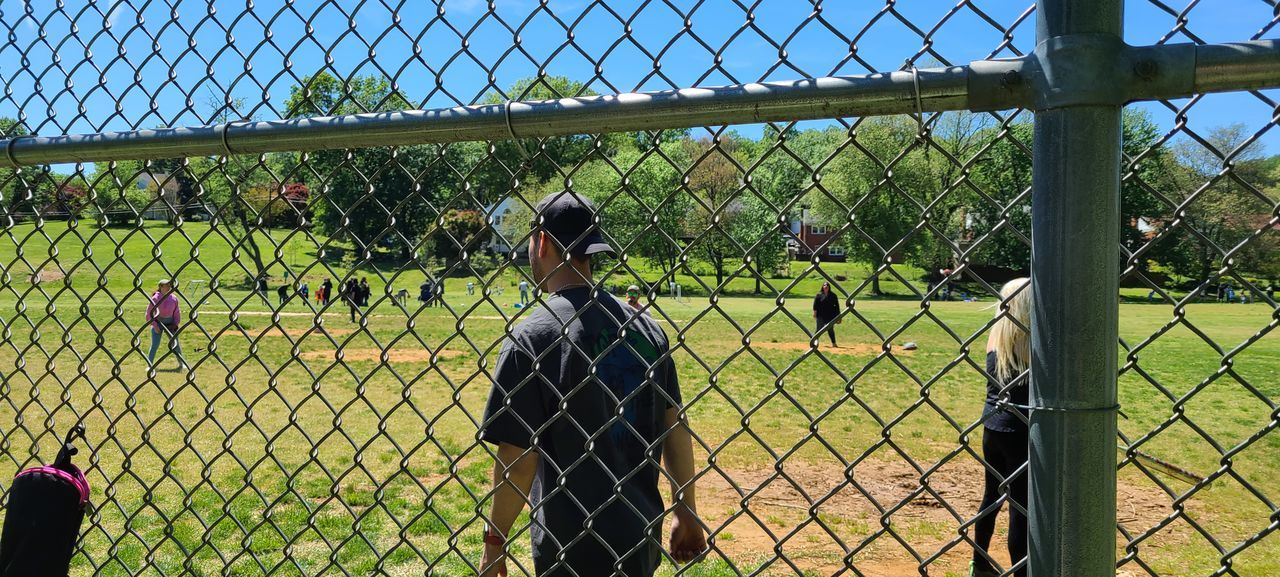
(585, 401)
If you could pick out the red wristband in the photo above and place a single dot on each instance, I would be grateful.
(491, 537)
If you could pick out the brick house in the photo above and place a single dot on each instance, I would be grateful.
(810, 236)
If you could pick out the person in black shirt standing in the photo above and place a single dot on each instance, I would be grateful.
(1004, 432)
(826, 307)
(424, 292)
(348, 295)
(585, 401)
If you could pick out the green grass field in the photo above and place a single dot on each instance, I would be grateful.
(303, 444)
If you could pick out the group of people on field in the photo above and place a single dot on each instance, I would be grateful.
(355, 294)
(586, 415)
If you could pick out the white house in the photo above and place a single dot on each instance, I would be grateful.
(503, 218)
(162, 186)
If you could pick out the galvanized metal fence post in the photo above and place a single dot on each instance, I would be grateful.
(1074, 264)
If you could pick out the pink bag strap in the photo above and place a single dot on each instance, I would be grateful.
(77, 480)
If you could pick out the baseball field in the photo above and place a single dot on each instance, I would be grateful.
(298, 442)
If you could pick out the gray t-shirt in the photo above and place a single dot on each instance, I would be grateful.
(562, 377)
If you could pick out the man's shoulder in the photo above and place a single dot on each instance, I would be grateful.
(638, 321)
(538, 323)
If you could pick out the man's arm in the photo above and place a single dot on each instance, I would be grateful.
(513, 473)
(687, 538)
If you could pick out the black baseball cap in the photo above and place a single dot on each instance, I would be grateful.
(571, 220)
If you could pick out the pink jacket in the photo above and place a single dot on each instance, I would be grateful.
(163, 308)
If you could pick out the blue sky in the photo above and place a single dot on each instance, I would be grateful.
(164, 59)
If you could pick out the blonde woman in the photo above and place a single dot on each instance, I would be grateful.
(1004, 432)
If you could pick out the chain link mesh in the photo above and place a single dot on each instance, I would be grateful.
(309, 436)
(1201, 408)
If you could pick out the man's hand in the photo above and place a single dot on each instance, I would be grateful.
(687, 539)
(494, 562)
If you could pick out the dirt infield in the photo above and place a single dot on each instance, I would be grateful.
(46, 275)
(314, 334)
(393, 356)
(851, 507)
(860, 349)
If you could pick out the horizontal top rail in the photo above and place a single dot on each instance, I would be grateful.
(1147, 73)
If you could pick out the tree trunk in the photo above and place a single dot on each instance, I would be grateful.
(717, 262)
(875, 285)
(251, 244)
(1206, 261)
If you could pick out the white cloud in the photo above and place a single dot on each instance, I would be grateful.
(113, 15)
(465, 6)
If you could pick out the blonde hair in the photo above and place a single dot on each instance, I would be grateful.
(1009, 339)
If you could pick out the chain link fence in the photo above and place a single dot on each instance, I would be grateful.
(313, 429)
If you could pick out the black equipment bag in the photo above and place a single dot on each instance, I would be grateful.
(46, 506)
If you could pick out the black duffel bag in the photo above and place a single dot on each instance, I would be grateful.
(42, 522)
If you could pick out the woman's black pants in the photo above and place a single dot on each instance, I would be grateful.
(1006, 453)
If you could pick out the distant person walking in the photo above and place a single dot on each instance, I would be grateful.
(164, 316)
(283, 293)
(1004, 433)
(524, 292)
(351, 295)
(826, 310)
(364, 292)
(326, 292)
(305, 291)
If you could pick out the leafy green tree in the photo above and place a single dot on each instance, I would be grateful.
(541, 160)
(715, 180)
(1221, 211)
(17, 193)
(1002, 176)
(1004, 172)
(957, 140)
(639, 194)
(376, 196)
(35, 188)
(117, 196)
(879, 189)
(791, 166)
(461, 230)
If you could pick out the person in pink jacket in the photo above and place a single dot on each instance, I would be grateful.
(164, 317)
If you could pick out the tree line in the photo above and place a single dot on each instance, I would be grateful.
(895, 191)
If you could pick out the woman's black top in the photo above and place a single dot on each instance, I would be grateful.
(1004, 420)
(827, 306)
